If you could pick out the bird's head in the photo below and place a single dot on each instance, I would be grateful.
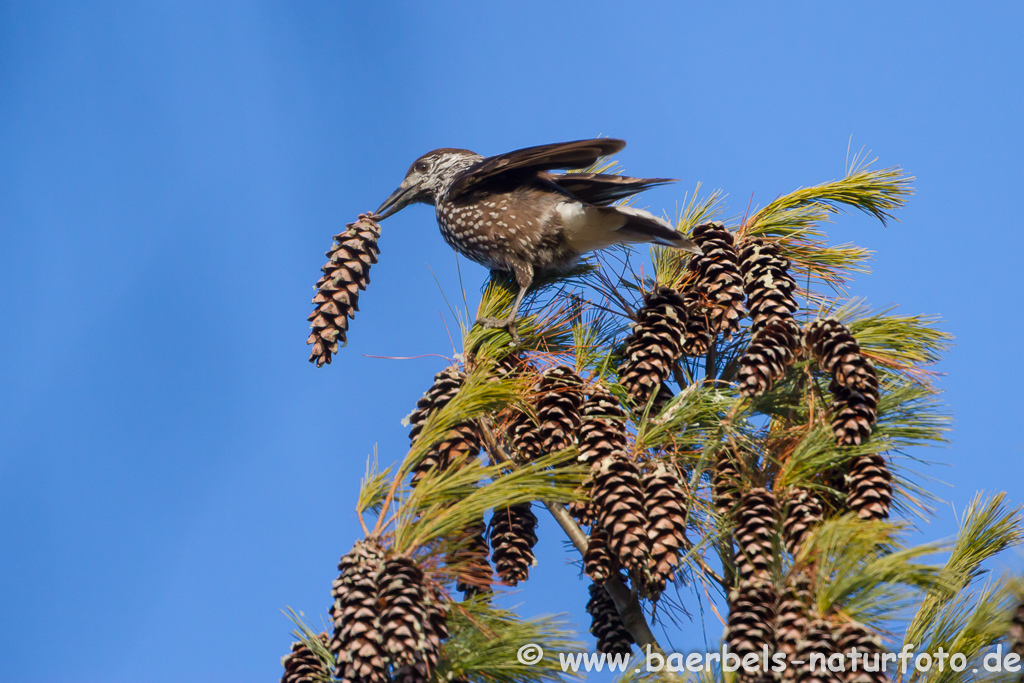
(428, 178)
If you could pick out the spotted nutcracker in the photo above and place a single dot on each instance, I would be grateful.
(507, 212)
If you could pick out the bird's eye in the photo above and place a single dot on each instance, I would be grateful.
(421, 167)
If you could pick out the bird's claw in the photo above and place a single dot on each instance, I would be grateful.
(508, 324)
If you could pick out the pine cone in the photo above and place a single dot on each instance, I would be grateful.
(791, 620)
(462, 443)
(598, 563)
(665, 502)
(525, 436)
(751, 619)
(434, 633)
(512, 541)
(620, 511)
(755, 531)
(605, 624)
(854, 381)
(358, 644)
(404, 618)
(696, 332)
(839, 354)
(475, 575)
(802, 511)
(654, 345)
(560, 397)
(337, 295)
(718, 278)
(302, 666)
(603, 428)
(854, 635)
(1016, 632)
(509, 365)
(768, 284)
(869, 487)
(817, 639)
(583, 510)
(602, 434)
(446, 385)
(725, 483)
(772, 350)
(853, 416)
(460, 446)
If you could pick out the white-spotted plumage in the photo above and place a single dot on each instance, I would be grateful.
(508, 213)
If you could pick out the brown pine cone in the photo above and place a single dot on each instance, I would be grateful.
(475, 575)
(751, 619)
(603, 428)
(839, 354)
(358, 643)
(524, 434)
(771, 351)
(869, 487)
(725, 482)
(654, 345)
(855, 639)
(446, 385)
(512, 541)
(619, 501)
(801, 512)
(559, 399)
(460, 446)
(853, 416)
(718, 278)
(768, 284)
(696, 330)
(598, 563)
(337, 295)
(1016, 632)
(462, 442)
(755, 531)
(791, 619)
(404, 619)
(302, 666)
(583, 510)
(854, 381)
(606, 625)
(665, 502)
(817, 639)
(602, 434)
(435, 631)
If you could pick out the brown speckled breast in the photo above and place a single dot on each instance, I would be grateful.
(495, 228)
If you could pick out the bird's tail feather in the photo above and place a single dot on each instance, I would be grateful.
(644, 226)
(589, 228)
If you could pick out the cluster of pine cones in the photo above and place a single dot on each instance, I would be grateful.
(636, 519)
(782, 619)
(390, 620)
(722, 283)
(511, 533)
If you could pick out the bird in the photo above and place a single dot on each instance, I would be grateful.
(510, 213)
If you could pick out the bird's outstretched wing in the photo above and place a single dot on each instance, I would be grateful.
(578, 154)
(604, 188)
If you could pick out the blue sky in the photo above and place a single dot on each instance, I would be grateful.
(173, 472)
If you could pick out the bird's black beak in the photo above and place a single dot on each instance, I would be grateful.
(398, 200)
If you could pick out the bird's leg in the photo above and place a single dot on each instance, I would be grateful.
(524, 278)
